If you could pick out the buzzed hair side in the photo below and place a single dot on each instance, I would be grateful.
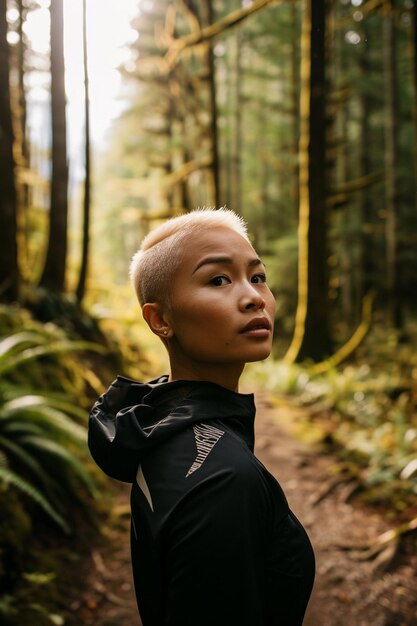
(160, 253)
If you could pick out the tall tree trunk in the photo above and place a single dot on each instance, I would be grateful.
(8, 199)
(23, 189)
(22, 92)
(295, 90)
(366, 279)
(414, 55)
(80, 291)
(236, 162)
(53, 276)
(391, 112)
(311, 333)
(343, 282)
(213, 110)
(227, 164)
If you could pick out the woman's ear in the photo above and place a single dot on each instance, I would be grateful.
(155, 318)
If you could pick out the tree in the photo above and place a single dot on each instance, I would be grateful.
(311, 334)
(53, 276)
(235, 158)
(414, 55)
(366, 208)
(87, 160)
(8, 197)
(211, 78)
(18, 106)
(391, 157)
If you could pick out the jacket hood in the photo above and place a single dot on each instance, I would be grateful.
(131, 418)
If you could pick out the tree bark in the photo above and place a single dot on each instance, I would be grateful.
(366, 281)
(294, 90)
(80, 291)
(23, 161)
(311, 334)
(414, 55)
(53, 276)
(343, 280)
(9, 275)
(213, 110)
(236, 161)
(391, 157)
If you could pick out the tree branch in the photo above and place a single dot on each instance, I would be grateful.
(350, 346)
(186, 169)
(165, 64)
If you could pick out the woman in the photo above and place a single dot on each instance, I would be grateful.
(213, 540)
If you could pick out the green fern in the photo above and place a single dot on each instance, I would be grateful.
(30, 354)
(3, 460)
(23, 455)
(8, 477)
(35, 408)
(71, 461)
(56, 400)
(37, 427)
(16, 429)
(14, 343)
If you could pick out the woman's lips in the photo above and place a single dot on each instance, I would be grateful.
(257, 327)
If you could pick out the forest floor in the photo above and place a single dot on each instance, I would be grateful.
(349, 590)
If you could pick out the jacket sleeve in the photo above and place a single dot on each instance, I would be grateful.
(215, 554)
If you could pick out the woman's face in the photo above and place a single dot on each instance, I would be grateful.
(221, 311)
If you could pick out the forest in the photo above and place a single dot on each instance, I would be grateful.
(301, 116)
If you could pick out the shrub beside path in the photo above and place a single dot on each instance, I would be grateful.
(349, 591)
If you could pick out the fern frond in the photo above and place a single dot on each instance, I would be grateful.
(56, 400)
(57, 450)
(17, 428)
(73, 401)
(20, 453)
(18, 341)
(3, 460)
(9, 477)
(29, 354)
(33, 408)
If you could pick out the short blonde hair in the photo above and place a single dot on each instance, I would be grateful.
(160, 253)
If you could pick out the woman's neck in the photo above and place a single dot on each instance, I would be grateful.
(224, 375)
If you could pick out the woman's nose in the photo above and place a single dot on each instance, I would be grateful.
(253, 300)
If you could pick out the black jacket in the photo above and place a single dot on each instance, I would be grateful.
(214, 542)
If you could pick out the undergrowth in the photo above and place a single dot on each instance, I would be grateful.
(365, 410)
(48, 484)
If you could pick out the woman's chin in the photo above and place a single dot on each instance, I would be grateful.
(258, 355)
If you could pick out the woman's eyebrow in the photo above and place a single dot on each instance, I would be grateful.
(220, 260)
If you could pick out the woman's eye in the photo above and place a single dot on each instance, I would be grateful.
(259, 278)
(219, 281)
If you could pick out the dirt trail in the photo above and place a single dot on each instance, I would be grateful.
(347, 592)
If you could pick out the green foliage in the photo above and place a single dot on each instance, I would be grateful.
(46, 477)
(366, 410)
(120, 318)
(7, 477)
(39, 433)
